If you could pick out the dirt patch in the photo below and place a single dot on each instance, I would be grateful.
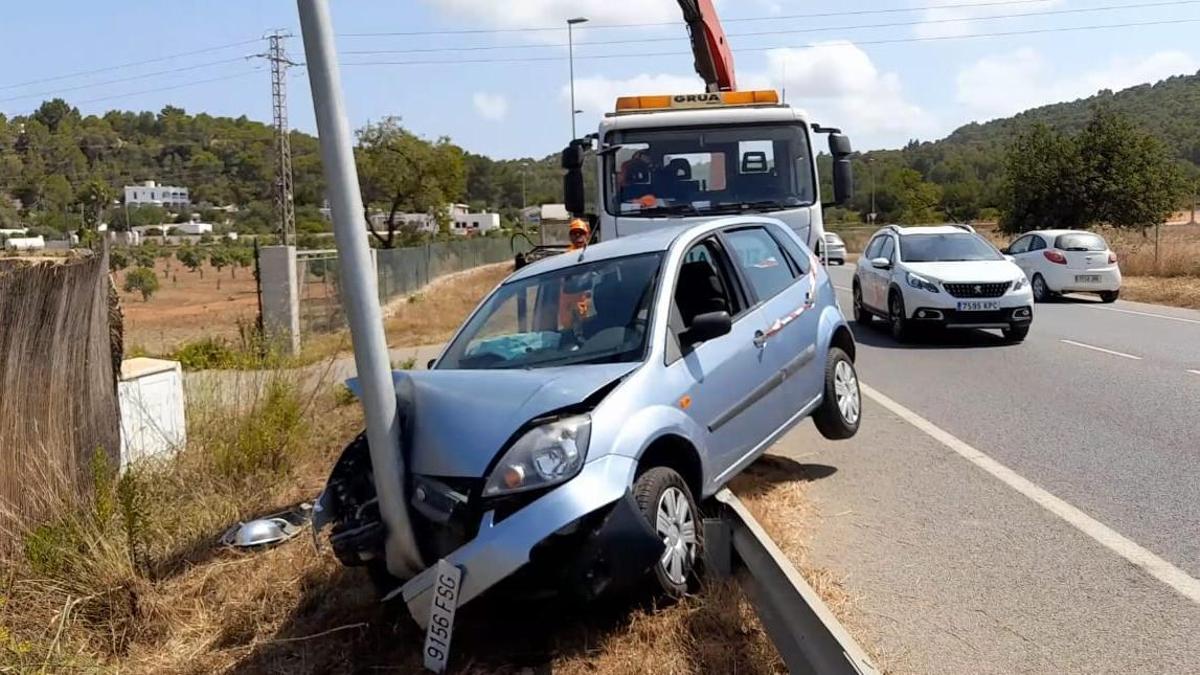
(188, 307)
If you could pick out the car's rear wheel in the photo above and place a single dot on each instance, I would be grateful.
(668, 505)
(861, 315)
(1041, 292)
(1109, 296)
(841, 410)
(897, 318)
(1016, 333)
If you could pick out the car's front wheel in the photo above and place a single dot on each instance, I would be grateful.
(861, 315)
(841, 410)
(668, 505)
(897, 318)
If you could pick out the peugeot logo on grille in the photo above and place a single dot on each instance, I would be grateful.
(978, 288)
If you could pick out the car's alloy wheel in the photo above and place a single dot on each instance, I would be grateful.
(676, 524)
(845, 387)
(861, 315)
(1040, 292)
(666, 503)
(896, 316)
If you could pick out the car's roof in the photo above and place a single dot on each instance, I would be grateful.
(1055, 233)
(929, 229)
(659, 239)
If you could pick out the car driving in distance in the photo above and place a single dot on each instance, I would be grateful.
(593, 399)
(943, 276)
(1067, 261)
(835, 249)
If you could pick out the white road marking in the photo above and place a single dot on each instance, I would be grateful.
(1177, 579)
(842, 288)
(1101, 349)
(1194, 372)
(1156, 316)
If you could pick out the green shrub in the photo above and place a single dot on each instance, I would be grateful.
(206, 354)
(261, 438)
(342, 396)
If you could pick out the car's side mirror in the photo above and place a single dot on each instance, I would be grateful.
(708, 326)
(881, 263)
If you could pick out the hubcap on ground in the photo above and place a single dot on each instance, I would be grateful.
(845, 388)
(674, 523)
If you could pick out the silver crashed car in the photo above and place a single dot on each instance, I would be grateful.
(573, 423)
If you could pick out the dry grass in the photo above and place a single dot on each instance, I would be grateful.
(432, 315)
(1176, 291)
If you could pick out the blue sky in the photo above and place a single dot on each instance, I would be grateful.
(883, 85)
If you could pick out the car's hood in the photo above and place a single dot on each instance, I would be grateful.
(992, 271)
(455, 421)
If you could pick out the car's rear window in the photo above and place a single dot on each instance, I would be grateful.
(1080, 241)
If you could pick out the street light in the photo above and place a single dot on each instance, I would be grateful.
(571, 58)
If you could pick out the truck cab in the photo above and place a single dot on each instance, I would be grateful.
(663, 160)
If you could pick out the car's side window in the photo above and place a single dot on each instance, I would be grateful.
(1036, 243)
(889, 249)
(761, 261)
(792, 248)
(872, 251)
(1020, 246)
(703, 285)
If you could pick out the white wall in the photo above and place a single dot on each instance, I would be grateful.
(152, 410)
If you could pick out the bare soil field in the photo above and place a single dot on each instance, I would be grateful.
(187, 306)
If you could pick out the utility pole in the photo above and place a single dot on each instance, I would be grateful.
(571, 23)
(284, 198)
(360, 288)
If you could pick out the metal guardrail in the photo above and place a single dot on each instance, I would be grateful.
(807, 635)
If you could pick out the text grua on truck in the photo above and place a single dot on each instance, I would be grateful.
(663, 159)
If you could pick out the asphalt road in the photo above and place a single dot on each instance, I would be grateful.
(1022, 508)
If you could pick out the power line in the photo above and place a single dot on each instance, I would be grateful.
(782, 17)
(820, 29)
(938, 38)
(131, 78)
(130, 64)
(194, 83)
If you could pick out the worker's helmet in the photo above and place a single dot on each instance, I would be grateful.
(579, 224)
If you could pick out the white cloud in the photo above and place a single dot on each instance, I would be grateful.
(526, 13)
(490, 106)
(1004, 84)
(957, 21)
(597, 94)
(839, 85)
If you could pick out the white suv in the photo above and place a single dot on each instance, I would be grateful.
(946, 276)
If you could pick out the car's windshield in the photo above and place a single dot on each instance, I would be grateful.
(662, 172)
(1081, 241)
(949, 247)
(590, 313)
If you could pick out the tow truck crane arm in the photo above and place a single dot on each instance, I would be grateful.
(714, 59)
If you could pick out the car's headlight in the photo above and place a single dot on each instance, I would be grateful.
(1020, 283)
(917, 281)
(546, 455)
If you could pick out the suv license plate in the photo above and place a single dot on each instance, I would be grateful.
(1087, 278)
(441, 616)
(978, 305)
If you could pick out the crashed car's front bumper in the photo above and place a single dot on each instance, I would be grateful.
(500, 549)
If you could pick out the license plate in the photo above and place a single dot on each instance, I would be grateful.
(978, 305)
(441, 616)
(1087, 278)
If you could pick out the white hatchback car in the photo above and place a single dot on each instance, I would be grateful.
(943, 276)
(1067, 261)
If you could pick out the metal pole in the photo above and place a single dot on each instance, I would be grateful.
(571, 58)
(360, 296)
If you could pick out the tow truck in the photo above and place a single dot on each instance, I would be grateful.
(668, 159)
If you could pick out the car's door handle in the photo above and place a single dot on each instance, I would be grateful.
(760, 339)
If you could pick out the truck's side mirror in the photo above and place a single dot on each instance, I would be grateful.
(574, 196)
(843, 172)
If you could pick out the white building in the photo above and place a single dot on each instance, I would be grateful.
(13, 232)
(193, 227)
(25, 244)
(150, 193)
(480, 223)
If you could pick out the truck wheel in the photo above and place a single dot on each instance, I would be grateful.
(841, 410)
(668, 505)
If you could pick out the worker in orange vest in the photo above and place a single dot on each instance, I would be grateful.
(573, 307)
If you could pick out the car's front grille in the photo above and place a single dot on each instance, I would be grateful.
(977, 290)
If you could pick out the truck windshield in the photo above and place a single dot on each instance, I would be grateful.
(708, 170)
(591, 313)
